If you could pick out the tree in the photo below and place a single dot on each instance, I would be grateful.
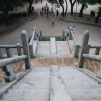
(66, 6)
(85, 4)
(30, 5)
(99, 14)
(8, 5)
(72, 2)
(60, 2)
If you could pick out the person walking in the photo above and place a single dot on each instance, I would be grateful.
(57, 14)
(67, 31)
(53, 20)
(41, 1)
(73, 29)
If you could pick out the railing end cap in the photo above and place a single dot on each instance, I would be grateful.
(34, 28)
(24, 32)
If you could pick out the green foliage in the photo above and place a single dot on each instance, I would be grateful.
(8, 5)
(45, 39)
(92, 13)
(14, 15)
(56, 1)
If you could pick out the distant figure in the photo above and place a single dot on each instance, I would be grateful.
(73, 29)
(57, 14)
(46, 5)
(68, 31)
(53, 20)
(41, 1)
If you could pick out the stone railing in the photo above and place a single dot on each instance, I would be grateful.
(97, 49)
(7, 64)
(33, 42)
(18, 46)
(73, 44)
(84, 53)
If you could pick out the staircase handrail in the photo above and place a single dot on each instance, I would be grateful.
(84, 53)
(76, 44)
(7, 61)
(35, 39)
(18, 46)
(92, 57)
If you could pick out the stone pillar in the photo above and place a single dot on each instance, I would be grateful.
(97, 51)
(98, 74)
(35, 37)
(8, 51)
(25, 48)
(70, 35)
(84, 49)
(63, 35)
(76, 51)
(19, 49)
(40, 35)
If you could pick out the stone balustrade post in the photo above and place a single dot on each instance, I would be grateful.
(8, 51)
(19, 49)
(34, 29)
(40, 35)
(97, 51)
(63, 35)
(98, 74)
(25, 48)
(70, 35)
(84, 49)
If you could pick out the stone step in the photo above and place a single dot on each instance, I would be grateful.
(88, 100)
(43, 47)
(51, 55)
(33, 87)
(27, 95)
(62, 47)
(53, 45)
(94, 96)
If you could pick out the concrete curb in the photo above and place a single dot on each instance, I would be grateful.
(99, 25)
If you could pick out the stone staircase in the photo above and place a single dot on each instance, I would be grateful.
(54, 83)
(52, 48)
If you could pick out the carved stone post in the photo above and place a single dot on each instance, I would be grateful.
(97, 51)
(40, 35)
(76, 51)
(84, 49)
(70, 35)
(98, 74)
(63, 35)
(19, 49)
(8, 51)
(25, 48)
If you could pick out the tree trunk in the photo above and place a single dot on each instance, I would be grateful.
(72, 5)
(97, 18)
(30, 9)
(62, 9)
(81, 10)
(72, 9)
(66, 6)
(5, 13)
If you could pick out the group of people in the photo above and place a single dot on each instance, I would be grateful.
(68, 30)
(49, 13)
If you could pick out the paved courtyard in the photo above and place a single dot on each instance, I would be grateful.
(44, 24)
